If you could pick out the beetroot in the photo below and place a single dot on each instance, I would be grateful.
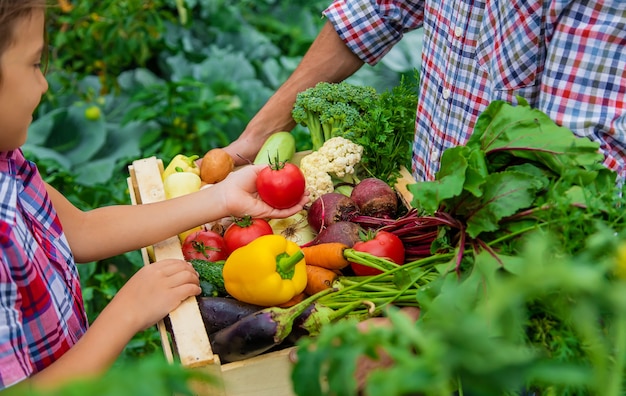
(330, 208)
(375, 198)
(344, 232)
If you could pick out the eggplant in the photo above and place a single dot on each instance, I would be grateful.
(258, 332)
(250, 336)
(220, 312)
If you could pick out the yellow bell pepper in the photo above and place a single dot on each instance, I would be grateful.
(181, 183)
(181, 163)
(178, 184)
(268, 271)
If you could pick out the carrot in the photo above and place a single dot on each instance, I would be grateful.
(318, 279)
(326, 255)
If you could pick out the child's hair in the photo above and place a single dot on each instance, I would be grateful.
(11, 11)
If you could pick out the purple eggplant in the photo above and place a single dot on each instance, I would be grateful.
(258, 332)
(220, 312)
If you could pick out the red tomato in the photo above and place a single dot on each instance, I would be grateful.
(281, 185)
(244, 231)
(385, 245)
(205, 245)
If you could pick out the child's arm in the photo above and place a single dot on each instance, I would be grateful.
(148, 296)
(112, 230)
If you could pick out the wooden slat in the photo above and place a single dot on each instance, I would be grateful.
(191, 339)
(263, 375)
(403, 181)
(134, 192)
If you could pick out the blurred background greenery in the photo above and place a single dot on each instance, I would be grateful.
(134, 78)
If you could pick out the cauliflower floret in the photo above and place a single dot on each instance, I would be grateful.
(342, 155)
(318, 181)
(337, 157)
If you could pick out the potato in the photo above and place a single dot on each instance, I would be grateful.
(215, 166)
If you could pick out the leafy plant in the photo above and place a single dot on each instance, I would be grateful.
(103, 39)
(515, 162)
(150, 376)
(473, 335)
(191, 116)
(386, 130)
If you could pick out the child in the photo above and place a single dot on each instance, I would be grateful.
(44, 335)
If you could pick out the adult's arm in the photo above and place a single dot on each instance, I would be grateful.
(328, 59)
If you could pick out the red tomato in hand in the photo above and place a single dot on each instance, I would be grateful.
(385, 245)
(244, 231)
(281, 185)
(205, 245)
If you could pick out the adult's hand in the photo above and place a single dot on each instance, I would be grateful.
(245, 148)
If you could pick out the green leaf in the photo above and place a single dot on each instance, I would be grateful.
(124, 142)
(95, 171)
(40, 130)
(43, 153)
(448, 184)
(138, 78)
(528, 133)
(504, 194)
(476, 172)
(345, 344)
(90, 135)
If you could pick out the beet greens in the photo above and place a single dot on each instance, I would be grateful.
(516, 163)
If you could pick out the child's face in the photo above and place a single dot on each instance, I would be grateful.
(22, 83)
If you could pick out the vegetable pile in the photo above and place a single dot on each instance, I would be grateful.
(291, 264)
(515, 255)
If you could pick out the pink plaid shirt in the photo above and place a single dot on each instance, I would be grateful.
(41, 306)
(567, 58)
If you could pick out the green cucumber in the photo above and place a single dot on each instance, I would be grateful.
(211, 278)
(279, 144)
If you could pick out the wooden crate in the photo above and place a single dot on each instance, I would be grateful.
(265, 375)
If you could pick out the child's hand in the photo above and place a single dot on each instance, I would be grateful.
(240, 196)
(156, 290)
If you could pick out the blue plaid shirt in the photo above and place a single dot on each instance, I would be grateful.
(566, 58)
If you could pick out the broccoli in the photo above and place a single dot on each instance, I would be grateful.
(330, 109)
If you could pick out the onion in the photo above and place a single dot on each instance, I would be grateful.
(294, 228)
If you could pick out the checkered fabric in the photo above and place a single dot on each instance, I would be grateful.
(41, 306)
(566, 58)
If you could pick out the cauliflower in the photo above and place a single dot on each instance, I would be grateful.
(337, 157)
(318, 181)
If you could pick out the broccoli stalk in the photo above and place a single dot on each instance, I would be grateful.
(330, 109)
(338, 119)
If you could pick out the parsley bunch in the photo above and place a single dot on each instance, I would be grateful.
(386, 131)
